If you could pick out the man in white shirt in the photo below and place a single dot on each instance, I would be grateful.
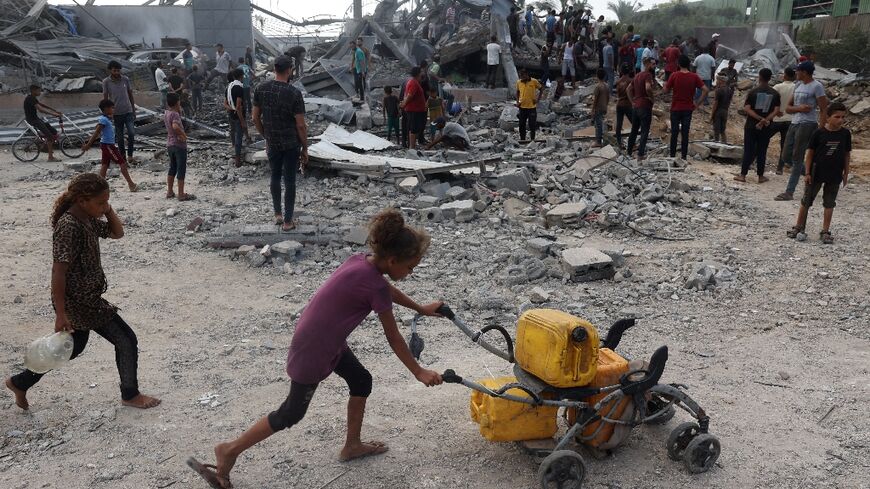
(162, 84)
(704, 66)
(782, 122)
(493, 53)
(222, 66)
(450, 134)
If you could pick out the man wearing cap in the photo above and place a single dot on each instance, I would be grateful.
(451, 134)
(714, 45)
(808, 106)
(279, 114)
(527, 102)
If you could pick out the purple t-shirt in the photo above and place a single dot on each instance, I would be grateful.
(337, 308)
(170, 117)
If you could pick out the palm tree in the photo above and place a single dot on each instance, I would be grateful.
(624, 9)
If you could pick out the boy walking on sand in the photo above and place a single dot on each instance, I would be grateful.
(105, 132)
(827, 164)
(176, 147)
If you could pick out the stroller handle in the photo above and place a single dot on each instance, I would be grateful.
(476, 336)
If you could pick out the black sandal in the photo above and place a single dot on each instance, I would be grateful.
(826, 237)
(209, 474)
(793, 232)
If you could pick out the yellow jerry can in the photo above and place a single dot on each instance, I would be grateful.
(556, 347)
(503, 420)
(611, 366)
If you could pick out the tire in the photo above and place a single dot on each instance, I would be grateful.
(655, 406)
(702, 453)
(71, 146)
(680, 438)
(563, 469)
(26, 148)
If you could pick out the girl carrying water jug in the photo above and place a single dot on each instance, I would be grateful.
(78, 283)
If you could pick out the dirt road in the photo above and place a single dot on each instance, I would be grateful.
(780, 359)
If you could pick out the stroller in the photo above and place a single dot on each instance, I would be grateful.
(600, 413)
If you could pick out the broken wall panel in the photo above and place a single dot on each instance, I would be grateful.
(126, 21)
(223, 21)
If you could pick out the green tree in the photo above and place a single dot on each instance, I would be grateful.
(624, 9)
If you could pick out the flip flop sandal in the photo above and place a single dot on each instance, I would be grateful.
(287, 227)
(209, 473)
(793, 232)
(170, 195)
(826, 237)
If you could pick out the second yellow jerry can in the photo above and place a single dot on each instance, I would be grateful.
(556, 347)
(504, 420)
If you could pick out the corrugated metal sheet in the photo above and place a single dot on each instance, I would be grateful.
(765, 10)
(338, 158)
(864, 7)
(360, 139)
(841, 7)
(69, 46)
(784, 12)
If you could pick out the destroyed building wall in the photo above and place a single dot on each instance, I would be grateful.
(126, 21)
(223, 21)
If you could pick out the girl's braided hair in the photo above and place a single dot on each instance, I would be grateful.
(84, 186)
(390, 237)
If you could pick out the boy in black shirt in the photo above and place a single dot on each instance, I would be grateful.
(762, 105)
(32, 105)
(827, 164)
(391, 112)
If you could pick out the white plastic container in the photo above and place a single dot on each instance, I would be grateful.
(49, 352)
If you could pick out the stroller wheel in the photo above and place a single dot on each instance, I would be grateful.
(680, 438)
(563, 469)
(702, 453)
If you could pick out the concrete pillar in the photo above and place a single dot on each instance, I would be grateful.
(357, 9)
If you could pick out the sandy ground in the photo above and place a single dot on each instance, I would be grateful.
(781, 364)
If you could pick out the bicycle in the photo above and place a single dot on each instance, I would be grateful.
(30, 143)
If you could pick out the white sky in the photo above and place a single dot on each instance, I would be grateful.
(297, 9)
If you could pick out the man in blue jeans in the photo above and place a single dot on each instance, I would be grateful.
(116, 87)
(641, 93)
(809, 106)
(279, 114)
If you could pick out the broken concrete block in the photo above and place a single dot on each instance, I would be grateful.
(584, 165)
(436, 189)
(567, 214)
(480, 205)
(610, 190)
(357, 235)
(539, 295)
(517, 180)
(606, 152)
(460, 210)
(408, 184)
(256, 259)
(288, 248)
(509, 119)
(699, 150)
(244, 250)
(458, 193)
(652, 193)
(514, 207)
(77, 165)
(587, 264)
(539, 246)
(425, 201)
(431, 214)
(257, 157)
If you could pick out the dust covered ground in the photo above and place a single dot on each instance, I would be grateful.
(779, 358)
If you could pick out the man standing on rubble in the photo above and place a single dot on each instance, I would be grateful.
(529, 93)
(704, 67)
(298, 55)
(607, 61)
(782, 122)
(162, 84)
(221, 68)
(493, 60)
(279, 115)
(762, 105)
(359, 67)
(809, 108)
(116, 87)
(513, 21)
(641, 94)
(414, 105)
(684, 85)
(450, 19)
(187, 58)
(671, 56)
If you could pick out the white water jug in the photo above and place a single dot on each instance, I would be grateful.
(49, 352)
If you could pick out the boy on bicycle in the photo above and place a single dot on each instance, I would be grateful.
(31, 106)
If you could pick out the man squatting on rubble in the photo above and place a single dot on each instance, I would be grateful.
(279, 115)
(32, 105)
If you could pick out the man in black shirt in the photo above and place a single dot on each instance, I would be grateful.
(762, 105)
(279, 114)
(176, 86)
(235, 104)
(298, 55)
(194, 84)
(31, 106)
(827, 164)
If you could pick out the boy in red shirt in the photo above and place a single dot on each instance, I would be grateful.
(641, 93)
(414, 105)
(683, 83)
(671, 57)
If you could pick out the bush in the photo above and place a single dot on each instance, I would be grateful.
(849, 52)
